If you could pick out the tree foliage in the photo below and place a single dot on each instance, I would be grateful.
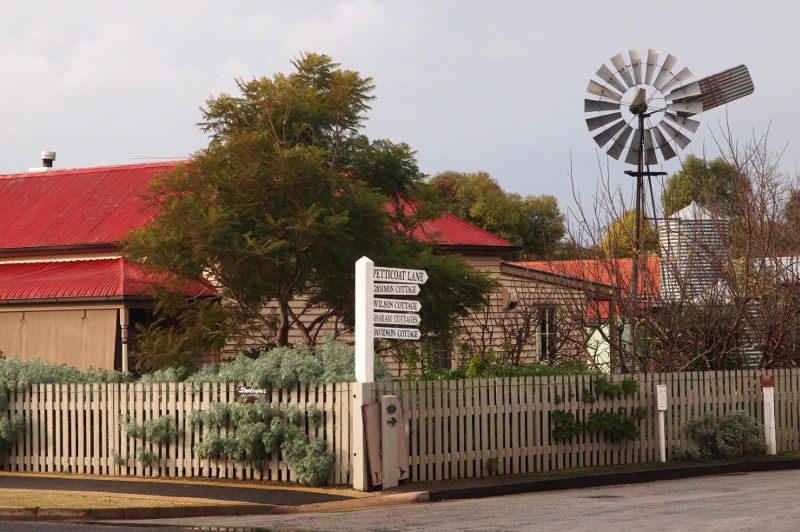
(535, 223)
(619, 239)
(285, 198)
(713, 184)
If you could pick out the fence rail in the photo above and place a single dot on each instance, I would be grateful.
(456, 429)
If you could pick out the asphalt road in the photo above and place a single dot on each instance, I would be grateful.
(741, 501)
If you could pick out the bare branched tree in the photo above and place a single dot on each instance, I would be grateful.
(727, 289)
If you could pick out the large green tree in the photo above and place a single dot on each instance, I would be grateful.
(535, 223)
(283, 201)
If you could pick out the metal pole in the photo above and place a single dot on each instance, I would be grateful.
(637, 241)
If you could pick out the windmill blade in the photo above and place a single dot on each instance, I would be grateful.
(620, 143)
(604, 92)
(652, 63)
(649, 151)
(591, 106)
(605, 136)
(680, 77)
(684, 91)
(683, 121)
(602, 120)
(679, 138)
(606, 75)
(722, 88)
(622, 69)
(633, 148)
(663, 144)
(636, 65)
(692, 108)
(666, 70)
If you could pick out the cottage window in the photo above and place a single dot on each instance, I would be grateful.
(546, 333)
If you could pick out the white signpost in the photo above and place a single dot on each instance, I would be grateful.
(384, 317)
(379, 318)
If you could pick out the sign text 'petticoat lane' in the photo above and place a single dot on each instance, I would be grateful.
(398, 275)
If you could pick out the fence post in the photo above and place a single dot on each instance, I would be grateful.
(768, 384)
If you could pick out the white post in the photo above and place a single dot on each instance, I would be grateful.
(661, 397)
(365, 369)
(123, 325)
(768, 387)
(365, 313)
(390, 424)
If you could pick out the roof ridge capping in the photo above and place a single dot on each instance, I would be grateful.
(45, 172)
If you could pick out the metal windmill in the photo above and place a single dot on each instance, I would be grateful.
(643, 109)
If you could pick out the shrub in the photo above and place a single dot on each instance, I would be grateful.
(10, 428)
(258, 431)
(737, 434)
(16, 374)
(286, 367)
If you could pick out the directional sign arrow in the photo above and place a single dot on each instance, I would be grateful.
(397, 333)
(399, 275)
(392, 289)
(396, 305)
(396, 318)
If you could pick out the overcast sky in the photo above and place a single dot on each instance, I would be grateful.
(471, 85)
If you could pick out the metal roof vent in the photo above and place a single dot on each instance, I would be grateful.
(47, 158)
(47, 161)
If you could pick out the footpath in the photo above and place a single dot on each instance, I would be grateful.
(199, 498)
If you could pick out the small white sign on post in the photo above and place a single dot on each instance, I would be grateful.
(397, 333)
(661, 400)
(662, 397)
(399, 275)
(396, 289)
(396, 305)
(396, 318)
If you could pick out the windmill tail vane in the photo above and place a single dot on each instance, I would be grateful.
(640, 101)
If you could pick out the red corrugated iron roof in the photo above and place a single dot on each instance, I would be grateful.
(82, 206)
(612, 272)
(100, 278)
(100, 205)
(451, 231)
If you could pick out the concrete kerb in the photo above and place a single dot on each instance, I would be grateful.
(477, 490)
(588, 480)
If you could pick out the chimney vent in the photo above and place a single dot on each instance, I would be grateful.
(47, 158)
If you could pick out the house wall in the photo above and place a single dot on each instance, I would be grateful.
(516, 315)
(81, 337)
(492, 326)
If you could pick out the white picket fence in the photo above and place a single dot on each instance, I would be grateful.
(456, 429)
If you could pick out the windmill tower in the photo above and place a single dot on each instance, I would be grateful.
(642, 109)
